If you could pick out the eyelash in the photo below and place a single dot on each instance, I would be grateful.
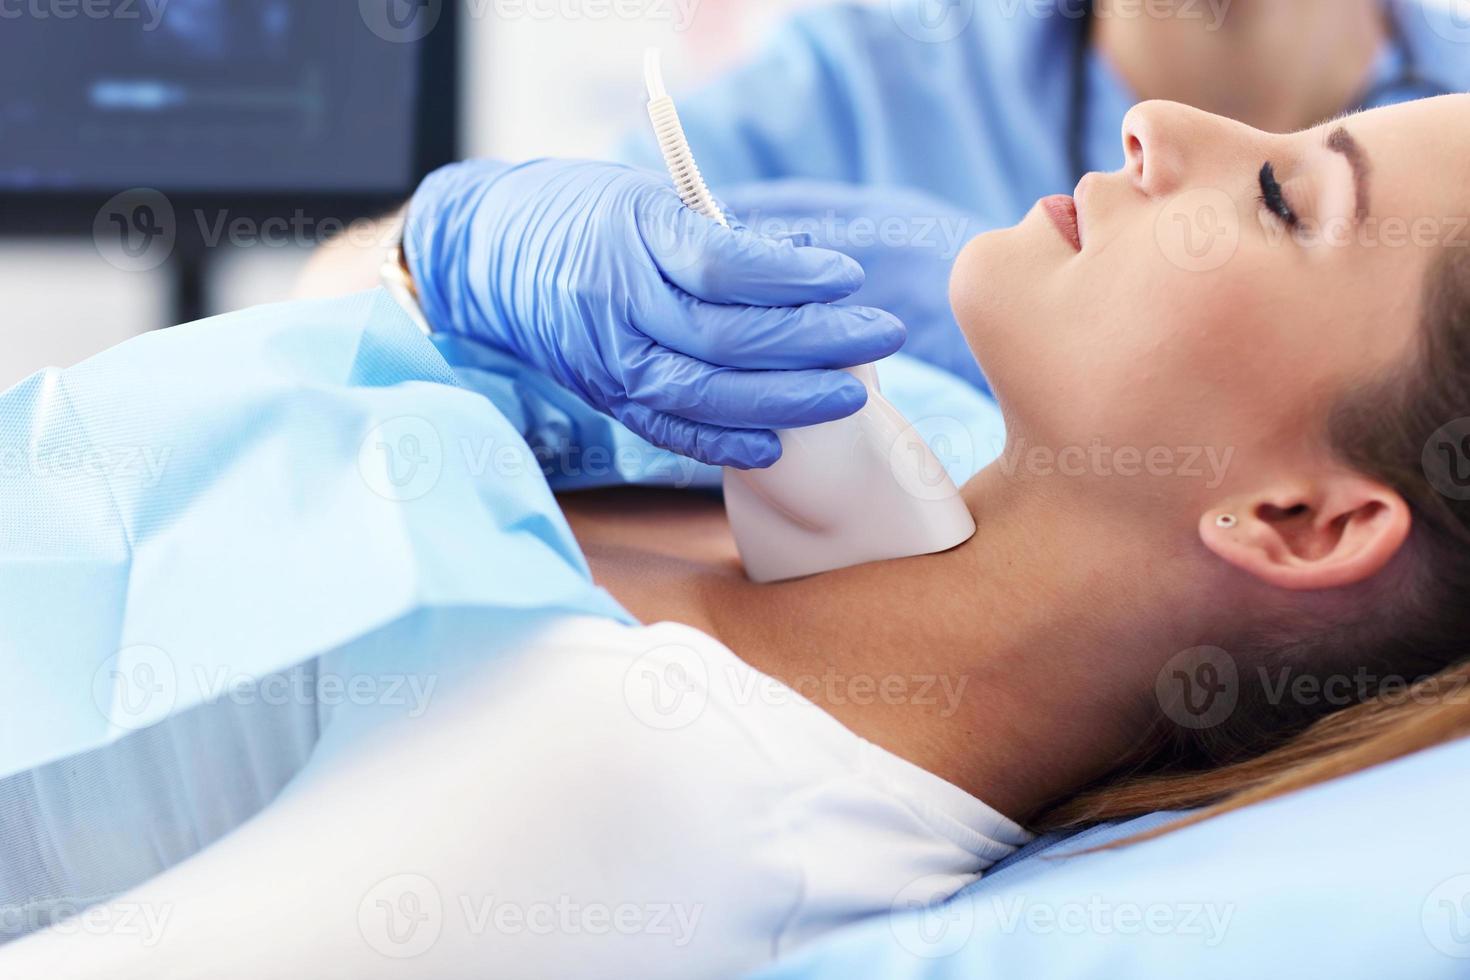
(1273, 199)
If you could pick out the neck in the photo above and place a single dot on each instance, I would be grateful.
(1020, 665)
(1277, 65)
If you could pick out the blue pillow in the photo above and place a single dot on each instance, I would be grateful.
(1365, 877)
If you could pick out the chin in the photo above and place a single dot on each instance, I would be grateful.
(987, 291)
(1009, 293)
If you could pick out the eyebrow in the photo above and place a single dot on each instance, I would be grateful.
(1342, 141)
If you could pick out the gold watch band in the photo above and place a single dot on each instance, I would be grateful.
(397, 278)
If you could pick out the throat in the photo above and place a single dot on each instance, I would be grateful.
(883, 648)
(1005, 666)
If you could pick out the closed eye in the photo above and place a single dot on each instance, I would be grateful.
(1273, 199)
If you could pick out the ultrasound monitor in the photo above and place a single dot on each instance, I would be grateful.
(235, 101)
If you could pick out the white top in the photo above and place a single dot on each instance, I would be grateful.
(606, 801)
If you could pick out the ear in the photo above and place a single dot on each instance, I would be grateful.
(1337, 532)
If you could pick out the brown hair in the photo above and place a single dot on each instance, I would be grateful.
(1413, 624)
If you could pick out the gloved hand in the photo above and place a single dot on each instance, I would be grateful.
(699, 338)
(906, 241)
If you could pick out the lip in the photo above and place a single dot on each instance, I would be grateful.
(1062, 210)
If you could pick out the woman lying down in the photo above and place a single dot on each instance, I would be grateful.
(762, 764)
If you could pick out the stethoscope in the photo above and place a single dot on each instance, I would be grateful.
(1411, 83)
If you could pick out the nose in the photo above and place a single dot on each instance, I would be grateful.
(1156, 141)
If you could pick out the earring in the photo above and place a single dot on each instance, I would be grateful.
(1226, 521)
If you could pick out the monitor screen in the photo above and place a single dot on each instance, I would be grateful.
(210, 96)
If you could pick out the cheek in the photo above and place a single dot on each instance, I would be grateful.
(1191, 358)
(1123, 346)
(1136, 353)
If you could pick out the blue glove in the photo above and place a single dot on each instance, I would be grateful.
(906, 241)
(699, 338)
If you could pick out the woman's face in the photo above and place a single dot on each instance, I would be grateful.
(1215, 303)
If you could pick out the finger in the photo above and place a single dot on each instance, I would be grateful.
(674, 384)
(818, 335)
(745, 449)
(735, 265)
